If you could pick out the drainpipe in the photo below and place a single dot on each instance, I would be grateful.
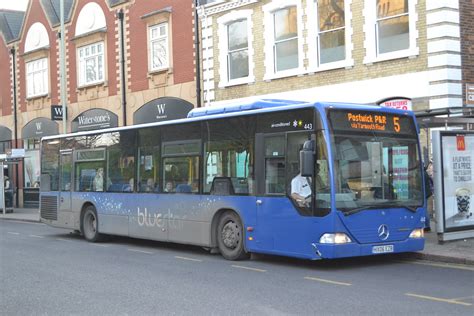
(120, 16)
(197, 46)
(15, 121)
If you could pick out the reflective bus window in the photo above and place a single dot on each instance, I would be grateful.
(50, 163)
(181, 174)
(229, 153)
(149, 160)
(121, 161)
(89, 170)
(275, 165)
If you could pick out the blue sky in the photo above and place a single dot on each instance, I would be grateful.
(14, 4)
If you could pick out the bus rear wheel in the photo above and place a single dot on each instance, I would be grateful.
(230, 237)
(90, 224)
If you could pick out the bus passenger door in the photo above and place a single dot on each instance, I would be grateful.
(65, 215)
(281, 226)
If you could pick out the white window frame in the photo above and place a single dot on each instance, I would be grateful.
(159, 38)
(313, 39)
(370, 30)
(98, 56)
(37, 79)
(269, 31)
(223, 23)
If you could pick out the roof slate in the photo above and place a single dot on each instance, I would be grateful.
(10, 24)
(52, 9)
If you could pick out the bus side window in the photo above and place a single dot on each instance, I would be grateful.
(149, 160)
(275, 164)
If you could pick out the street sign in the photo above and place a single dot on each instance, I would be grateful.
(396, 103)
(57, 112)
(15, 153)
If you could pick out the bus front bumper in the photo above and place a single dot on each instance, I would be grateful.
(333, 251)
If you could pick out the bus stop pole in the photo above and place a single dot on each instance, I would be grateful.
(2, 187)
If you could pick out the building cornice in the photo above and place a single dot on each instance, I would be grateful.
(226, 6)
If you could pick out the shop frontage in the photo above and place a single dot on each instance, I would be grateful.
(31, 134)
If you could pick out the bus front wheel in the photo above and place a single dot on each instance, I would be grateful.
(90, 224)
(230, 237)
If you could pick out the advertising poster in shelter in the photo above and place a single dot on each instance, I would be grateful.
(458, 180)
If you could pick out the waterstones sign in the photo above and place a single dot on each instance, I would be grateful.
(39, 127)
(94, 119)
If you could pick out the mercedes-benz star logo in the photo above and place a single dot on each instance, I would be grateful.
(383, 232)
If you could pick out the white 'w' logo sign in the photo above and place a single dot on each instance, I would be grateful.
(161, 108)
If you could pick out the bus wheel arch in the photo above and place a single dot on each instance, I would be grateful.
(228, 235)
(89, 222)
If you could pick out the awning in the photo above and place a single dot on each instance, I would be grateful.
(39, 127)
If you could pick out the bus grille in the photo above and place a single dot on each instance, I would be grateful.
(49, 207)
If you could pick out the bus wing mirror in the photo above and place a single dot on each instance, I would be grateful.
(307, 159)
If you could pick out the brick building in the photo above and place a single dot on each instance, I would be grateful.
(343, 50)
(124, 61)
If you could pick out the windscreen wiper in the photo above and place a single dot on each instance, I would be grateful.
(363, 208)
(387, 204)
(409, 207)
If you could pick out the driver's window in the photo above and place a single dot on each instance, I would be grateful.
(322, 185)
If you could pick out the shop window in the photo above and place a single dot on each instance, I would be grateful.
(32, 163)
(91, 64)
(392, 26)
(235, 48)
(285, 47)
(159, 46)
(283, 33)
(37, 78)
(331, 35)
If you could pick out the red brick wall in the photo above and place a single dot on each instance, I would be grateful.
(181, 33)
(6, 84)
(466, 10)
(33, 15)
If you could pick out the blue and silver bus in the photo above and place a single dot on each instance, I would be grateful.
(301, 179)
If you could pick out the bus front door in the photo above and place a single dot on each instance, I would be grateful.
(281, 226)
(65, 214)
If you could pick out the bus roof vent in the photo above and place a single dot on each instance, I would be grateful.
(241, 107)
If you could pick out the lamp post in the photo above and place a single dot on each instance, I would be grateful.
(62, 63)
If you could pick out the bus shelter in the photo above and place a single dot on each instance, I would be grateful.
(452, 139)
(12, 156)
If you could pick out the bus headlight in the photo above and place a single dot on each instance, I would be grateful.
(336, 238)
(417, 233)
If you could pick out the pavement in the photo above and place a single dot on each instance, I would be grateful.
(457, 251)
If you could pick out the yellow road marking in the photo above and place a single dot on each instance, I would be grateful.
(99, 245)
(248, 268)
(441, 265)
(36, 236)
(141, 251)
(462, 298)
(62, 239)
(437, 299)
(327, 281)
(189, 259)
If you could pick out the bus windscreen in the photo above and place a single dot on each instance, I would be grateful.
(376, 160)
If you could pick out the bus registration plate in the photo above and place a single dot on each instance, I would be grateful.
(382, 249)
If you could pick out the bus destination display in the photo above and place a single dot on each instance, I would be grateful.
(353, 120)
